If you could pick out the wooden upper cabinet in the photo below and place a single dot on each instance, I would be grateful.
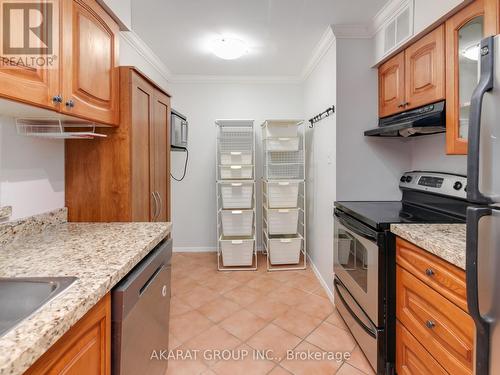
(425, 70)
(28, 82)
(391, 85)
(84, 349)
(414, 77)
(464, 31)
(90, 59)
(81, 77)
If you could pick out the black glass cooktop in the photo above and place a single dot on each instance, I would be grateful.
(380, 215)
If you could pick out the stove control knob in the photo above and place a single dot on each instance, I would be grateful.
(409, 179)
(403, 179)
(458, 185)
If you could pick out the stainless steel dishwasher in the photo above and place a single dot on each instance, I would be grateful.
(140, 315)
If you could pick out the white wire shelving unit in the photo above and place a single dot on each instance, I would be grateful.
(236, 195)
(284, 195)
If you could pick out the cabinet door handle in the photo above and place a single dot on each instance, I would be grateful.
(155, 210)
(70, 103)
(161, 204)
(429, 272)
(57, 99)
(430, 324)
(401, 105)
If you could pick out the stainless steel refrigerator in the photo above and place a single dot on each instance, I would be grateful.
(483, 220)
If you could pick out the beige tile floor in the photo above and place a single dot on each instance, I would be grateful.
(243, 313)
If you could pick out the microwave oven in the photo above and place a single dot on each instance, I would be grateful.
(178, 131)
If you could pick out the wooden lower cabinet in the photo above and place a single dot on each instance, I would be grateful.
(440, 275)
(126, 176)
(412, 358)
(84, 349)
(435, 334)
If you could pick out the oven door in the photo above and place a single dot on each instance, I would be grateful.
(356, 262)
(366, 334)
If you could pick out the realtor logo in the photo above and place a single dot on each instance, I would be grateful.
(28, 32)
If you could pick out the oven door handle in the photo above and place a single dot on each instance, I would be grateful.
(356, 227)
(372, 332)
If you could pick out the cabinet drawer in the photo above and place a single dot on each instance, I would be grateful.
(411, 356)
(435, 272)
(445, 329)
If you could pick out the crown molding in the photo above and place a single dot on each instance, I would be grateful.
(352, 31)
(147, 53)
(324, 44)
(195, 78)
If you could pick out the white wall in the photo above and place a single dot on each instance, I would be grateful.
(367, 168)
(31, 172)
(193, 200)
(319, 94)
(429, 153)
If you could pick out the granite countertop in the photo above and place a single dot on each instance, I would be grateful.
(98, 254)
(447, 241)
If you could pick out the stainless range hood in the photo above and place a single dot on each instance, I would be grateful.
(429, 119)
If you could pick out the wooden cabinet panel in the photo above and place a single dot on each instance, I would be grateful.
(391, 83)
(411, 356)
(446, 330)
(160, 147)
(33, 84)
(90, 60)
(84, 349)
(113, 179)
(425, 70)
(486, 11)
(141, 118)
(435, 272)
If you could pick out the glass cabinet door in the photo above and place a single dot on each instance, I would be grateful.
(464, 32)
(469, 38)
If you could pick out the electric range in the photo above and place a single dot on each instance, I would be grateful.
(364, 255)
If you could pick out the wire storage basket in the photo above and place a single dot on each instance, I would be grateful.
(236, 211)
(283, 194)
(288, 165)
(56, 128)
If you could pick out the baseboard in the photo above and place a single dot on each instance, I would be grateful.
(194, 249)
(322, 281)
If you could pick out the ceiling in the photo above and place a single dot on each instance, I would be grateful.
(281, 34)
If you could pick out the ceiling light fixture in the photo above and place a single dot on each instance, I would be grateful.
(229, 48)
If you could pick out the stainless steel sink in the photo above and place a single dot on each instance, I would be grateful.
(21, 297)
